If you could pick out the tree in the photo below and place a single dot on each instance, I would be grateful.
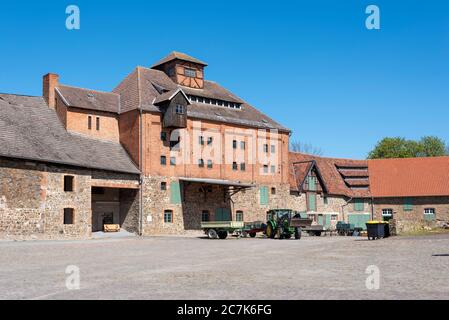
(297, 146)
(428, 146)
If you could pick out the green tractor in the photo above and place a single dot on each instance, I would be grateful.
(284, 223)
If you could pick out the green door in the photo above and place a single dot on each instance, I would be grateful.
(358, 220)
(223, 214)
(175, 193)
(327, 221)
(312, 201)
(320, 220)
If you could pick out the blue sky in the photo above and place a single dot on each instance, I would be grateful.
(310, 65)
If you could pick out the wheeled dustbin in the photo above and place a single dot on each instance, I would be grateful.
(377, 230)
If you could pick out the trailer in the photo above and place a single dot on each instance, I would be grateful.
(221, 229)
(314, 230)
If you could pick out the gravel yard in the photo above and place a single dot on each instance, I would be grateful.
(196, 268)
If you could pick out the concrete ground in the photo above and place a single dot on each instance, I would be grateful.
(195, 268)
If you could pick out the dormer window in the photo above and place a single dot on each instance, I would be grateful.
(179, 109)
(191, 73)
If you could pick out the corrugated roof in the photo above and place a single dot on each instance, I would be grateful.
(30, 130)
(180, 56)
(410, 177)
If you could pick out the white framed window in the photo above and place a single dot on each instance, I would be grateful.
(429, 211)
(334, 217)
(387, 212)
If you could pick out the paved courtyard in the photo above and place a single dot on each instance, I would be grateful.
(195, 268)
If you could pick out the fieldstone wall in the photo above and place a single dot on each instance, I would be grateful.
(32, 201)
(197, 198)
(414, 219)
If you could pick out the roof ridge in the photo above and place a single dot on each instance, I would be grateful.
(20, 95)
(87, 89)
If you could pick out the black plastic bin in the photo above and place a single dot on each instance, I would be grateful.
(377, 230)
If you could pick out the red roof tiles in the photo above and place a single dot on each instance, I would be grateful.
(412, 177)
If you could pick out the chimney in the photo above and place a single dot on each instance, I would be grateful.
(50, 82)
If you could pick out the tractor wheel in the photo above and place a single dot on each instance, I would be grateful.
(270, 232)
(212, 234)
(222, 234)
(252, 234)
(288, 236)
(318, 233)
(298, 233)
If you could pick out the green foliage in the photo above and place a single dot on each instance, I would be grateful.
(401, 148)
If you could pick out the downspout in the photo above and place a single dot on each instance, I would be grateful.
(343, 208)
(141, 175)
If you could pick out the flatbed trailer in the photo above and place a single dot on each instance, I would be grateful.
(221, 229)
(314, 230)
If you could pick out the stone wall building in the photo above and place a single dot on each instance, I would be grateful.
(168, 149)
(414, 193)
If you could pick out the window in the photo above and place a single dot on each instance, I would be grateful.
(265, 169)
(179, 109)
(273, 148)
(68, 183)
(387, 212)
(264, 199)
(265, 148)
(234, 166)
(163, 136)
(429, 214)
(359, 205)
(209, 141)
(201, 163)
(163, 160)
(242, 145)
(234, 144)
(273, 169)
(201, 140)
(173, 161)
(273, 191)
(408, 204)
(429, 211)
(191, 73)
(210, 164)
(239, 216)
(89, 122)
(98, 123)
(98, 191)
(243, 166)
(69, 215)
(168, 216)
(205, 216)
(163, 186)
(334, 217)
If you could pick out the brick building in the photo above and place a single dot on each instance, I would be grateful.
(163, 151)
(413, 192)
(167, 149)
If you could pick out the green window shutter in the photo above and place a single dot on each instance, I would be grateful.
(175, 193)
(359, 205)
(264, 196)
(312, 202)
(327, 219)
(408, 204)
(312, 184)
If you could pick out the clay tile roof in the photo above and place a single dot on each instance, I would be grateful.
(90, 99)
(299, 173)
(30, 130)
(412, 177)
(331, 176)
(352, 173)
(143, 88)
(180, 56)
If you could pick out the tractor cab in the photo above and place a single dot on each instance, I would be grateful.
(284, 223)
